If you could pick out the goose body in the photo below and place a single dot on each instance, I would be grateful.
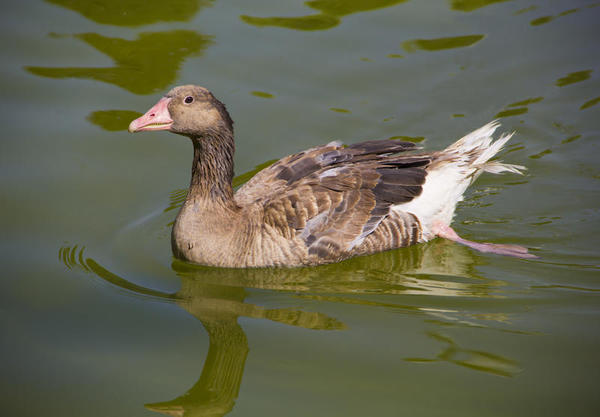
(322, 205)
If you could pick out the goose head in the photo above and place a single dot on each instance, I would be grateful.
(188, 110)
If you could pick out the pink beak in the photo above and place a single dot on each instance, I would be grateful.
(157, 118)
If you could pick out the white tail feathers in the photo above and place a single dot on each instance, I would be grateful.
(497, 167)
(451, 172)
(477, 148)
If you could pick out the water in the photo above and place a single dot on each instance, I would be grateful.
(98, 319)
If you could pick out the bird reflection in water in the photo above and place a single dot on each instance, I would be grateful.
(215, 296)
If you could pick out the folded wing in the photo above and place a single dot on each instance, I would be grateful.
(332, 197)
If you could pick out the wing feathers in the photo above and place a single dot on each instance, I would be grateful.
(333, 197)
(382, 146)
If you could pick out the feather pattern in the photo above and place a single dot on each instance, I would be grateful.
(333, 197)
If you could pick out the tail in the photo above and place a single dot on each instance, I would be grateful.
(452, 171)
(475, 150)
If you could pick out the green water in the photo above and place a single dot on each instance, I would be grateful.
(98, 319)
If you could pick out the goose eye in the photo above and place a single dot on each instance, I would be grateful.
(188, 99)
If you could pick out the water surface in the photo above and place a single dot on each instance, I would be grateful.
(97, 317)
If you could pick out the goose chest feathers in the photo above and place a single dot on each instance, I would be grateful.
(322, 205)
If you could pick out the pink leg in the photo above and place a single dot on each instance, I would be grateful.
(446, 232)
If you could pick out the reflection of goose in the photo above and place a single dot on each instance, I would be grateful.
(320, 206)
(215, 392)
(218, 308)
(438, 269)
(435, 269)
(216, 297)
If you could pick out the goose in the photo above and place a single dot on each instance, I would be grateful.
(321, 205)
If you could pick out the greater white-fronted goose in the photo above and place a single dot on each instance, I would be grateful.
(319, 206)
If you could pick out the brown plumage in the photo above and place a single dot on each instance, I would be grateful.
(319, 206)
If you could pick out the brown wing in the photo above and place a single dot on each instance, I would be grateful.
(276, 178)
(332, 197)
(266, 183)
